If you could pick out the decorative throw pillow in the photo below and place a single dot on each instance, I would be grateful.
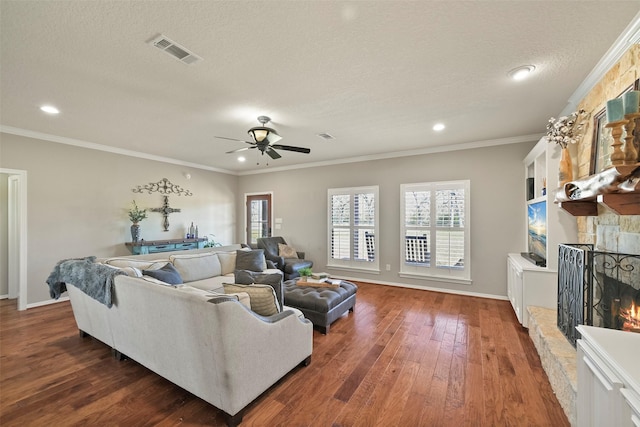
(243, 277)
(286, 251)
(199, 266)
(246, 277)
(253, 260)
(262, 297)
(167, 274)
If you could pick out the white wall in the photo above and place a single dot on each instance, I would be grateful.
(497, 208)
(78, 198)
(77, 201)
(4, 238)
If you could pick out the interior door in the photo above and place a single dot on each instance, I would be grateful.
(258, 217)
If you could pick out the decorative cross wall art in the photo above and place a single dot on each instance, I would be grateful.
(165, 210)
(164, 186)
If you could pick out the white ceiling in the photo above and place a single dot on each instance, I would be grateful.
(377, 75)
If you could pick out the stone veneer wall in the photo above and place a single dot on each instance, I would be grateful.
(608, 231)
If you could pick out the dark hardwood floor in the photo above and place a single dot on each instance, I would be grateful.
(404, 358)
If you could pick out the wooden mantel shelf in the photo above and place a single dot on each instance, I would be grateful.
(621, 202)
(580, 207)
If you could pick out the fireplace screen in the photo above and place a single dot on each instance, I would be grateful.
(598, 289)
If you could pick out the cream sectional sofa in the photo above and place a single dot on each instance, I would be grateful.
(210, 344)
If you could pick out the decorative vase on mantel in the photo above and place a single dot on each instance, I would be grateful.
(565, 172)
(135, 232)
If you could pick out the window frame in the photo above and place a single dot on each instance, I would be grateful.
(433, 272)
(371, 266)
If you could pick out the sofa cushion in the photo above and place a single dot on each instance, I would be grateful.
(227, 261)
(252, 260)
(213, 284)
(167, 274)
(262, 297)
(197, 266)
(136, 263)
(286, 251)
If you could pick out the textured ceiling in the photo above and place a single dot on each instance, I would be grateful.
(374, 74)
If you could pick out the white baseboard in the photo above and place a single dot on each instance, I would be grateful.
(47, 302)
(4, 296)
(426, 288)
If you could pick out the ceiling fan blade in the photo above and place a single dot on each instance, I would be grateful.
(240, 149)
(273, 153)
(234, 139)
(290, 148)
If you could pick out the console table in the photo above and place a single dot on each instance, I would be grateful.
(144, 247)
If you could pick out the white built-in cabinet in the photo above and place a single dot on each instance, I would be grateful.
(528, 284)
(608, 377)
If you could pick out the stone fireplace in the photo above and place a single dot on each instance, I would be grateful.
(598, 289)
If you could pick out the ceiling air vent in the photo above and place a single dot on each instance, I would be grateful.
(175, 50)
(326, 136)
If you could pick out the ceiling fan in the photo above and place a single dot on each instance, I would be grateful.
(264, 139)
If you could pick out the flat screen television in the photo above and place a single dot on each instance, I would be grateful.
(537, 233)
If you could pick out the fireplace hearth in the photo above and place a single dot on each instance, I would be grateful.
(597, 289)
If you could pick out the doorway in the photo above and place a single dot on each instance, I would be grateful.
(258, 215)
(17, 235)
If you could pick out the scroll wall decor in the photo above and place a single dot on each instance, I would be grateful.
(164, 187)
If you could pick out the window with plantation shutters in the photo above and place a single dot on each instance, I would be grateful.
(353, 225)
(435, 230)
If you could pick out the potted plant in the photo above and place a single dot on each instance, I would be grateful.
(305, 272)
(211, 242)
(136, 215)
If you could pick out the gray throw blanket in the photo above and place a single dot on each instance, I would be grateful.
(95, 280)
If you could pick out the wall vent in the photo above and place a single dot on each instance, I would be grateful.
(175, 50)
(326, 136)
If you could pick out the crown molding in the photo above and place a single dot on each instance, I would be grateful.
(132, 153)
(408, 153)
(93, 146)
(629, 37)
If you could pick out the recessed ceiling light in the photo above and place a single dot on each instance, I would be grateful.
(241, 159)
(521, 73)
(438, 127)
(49, 109)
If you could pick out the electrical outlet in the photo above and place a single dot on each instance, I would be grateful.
(388, 267)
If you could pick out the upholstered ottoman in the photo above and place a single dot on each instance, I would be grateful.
(322, 306)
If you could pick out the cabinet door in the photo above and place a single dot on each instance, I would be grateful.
(599, 398)
(514, 288)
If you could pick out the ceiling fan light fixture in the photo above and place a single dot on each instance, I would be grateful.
(262, 133)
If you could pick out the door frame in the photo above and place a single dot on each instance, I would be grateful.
(17, 234)
(246, 213)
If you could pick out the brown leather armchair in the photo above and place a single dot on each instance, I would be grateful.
(289, 266)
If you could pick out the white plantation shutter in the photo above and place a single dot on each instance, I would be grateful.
(340, 244)
(450, 228)
(353, 227)
(434, 232)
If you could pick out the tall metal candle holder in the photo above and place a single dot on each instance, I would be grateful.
(617, 157)
(630, 151)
